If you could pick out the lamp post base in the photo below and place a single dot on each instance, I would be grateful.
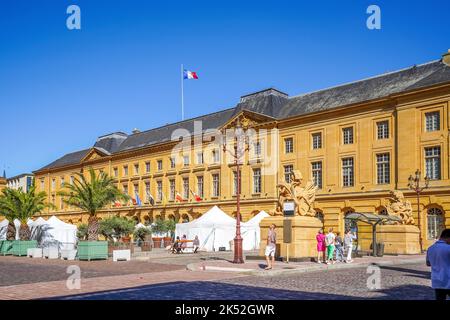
(238, 254)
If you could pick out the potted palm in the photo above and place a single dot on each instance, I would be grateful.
(159, 228)
(17, 204)
(91, 195)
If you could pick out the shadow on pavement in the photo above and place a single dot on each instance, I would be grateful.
(202, 290)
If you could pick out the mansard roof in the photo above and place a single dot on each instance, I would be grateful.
(278, 105)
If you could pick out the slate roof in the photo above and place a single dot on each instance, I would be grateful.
(276, 104)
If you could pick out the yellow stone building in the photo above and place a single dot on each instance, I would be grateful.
(357, 141)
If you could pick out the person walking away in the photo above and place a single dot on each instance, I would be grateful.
(271, 247)
(196, 244)
(348, 244)
(330, 242)
(320, 237)
(339, 248)
(438, 258)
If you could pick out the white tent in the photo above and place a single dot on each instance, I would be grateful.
(140, 225)
(65, 234)
(216, 229)
(251, 233)
(3, 229)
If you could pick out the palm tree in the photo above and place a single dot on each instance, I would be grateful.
(92, 195)
(17, 204)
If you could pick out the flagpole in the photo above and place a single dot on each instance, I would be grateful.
(182, 92)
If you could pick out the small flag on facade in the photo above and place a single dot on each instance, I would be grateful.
(117, 204)
(196, 196)
(150, 199)
(138, 200)
(190, 75)
(179, 198)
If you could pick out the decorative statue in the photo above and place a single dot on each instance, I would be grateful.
(302, 197)
(400, 207)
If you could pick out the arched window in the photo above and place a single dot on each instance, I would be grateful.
(350, 224)
(172, 217)
(435, 223)
(185, 218)
(319, 215)
(382, 211)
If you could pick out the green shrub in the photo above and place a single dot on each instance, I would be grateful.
(116, 228)
(82, 232)
(141, 233)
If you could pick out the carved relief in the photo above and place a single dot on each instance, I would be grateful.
(303, 197)
(400, 207)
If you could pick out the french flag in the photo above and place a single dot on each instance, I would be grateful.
(190, 75)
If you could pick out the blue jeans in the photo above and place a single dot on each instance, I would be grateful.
(339, 253)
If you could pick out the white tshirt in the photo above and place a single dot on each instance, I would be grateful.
(438, 256)
(330, 238)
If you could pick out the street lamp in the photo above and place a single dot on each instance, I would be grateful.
(414, 184)
(238, 153)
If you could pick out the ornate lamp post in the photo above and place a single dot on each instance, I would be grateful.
(237, 154)
(414, 184)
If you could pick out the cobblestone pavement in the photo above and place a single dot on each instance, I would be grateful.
(22, 270)
(397, 283)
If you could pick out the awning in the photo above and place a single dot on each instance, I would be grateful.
(372, 218)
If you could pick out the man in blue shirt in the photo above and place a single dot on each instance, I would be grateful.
(438, 258)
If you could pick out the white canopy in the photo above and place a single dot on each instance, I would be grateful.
(140, 225)
(251, 233)
(216, 229)
(65, 234)
(3, 229)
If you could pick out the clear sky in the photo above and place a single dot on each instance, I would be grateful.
(60, 89)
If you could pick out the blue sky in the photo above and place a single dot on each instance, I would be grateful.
(60, 89)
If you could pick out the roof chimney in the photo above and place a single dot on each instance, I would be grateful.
(136, 130)
(446, 58)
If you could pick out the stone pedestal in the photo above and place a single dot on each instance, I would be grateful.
(399, 239)
(304, 231)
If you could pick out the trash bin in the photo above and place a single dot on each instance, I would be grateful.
(380, 249)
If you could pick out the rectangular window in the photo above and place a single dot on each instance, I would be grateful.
(125, 188)
(432, 121)
(215, 185)
(172, 163)
(147, 191)
(317, 140)
(257, 148)
(125, 171)
(317, 173)
(160, 165)
(185, 188)
(257, 180)
(62, 182)
(200, 158)
(136, 169)
(383, 168)
(433, 163)
(172, 189)
(159, 190)
(72, 179)
(347, 135)
(61, 203)
(42, 184)
(115, 172)
(235, 182)
(287, 173)
(186, 161)
(347, 172)
(288, 145)
(53, 184)
(147, 167)
(383, 130)
(200, 186)
(216, 156)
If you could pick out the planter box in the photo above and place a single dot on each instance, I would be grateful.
(67, 254)
(20, 248)
(51, 253)
(92, 250)
(34, 252)
(121, 255)
(6, 247)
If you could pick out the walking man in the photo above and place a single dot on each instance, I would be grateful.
(271, 247)
(438, 258)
